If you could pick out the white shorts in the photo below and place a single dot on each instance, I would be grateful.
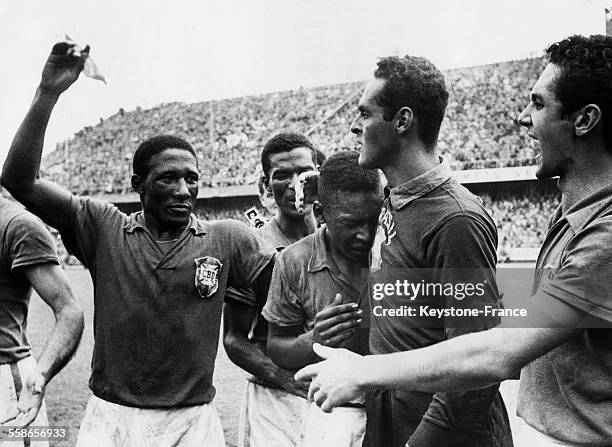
(530, 437)
(107, 424)
(343, 427)
(269, 417)
(12, 377)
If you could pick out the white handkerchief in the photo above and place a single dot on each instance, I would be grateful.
(90, 68)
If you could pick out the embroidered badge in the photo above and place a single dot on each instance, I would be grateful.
(207, 275)
(384, 233)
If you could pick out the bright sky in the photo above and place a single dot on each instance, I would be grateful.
(192, 50)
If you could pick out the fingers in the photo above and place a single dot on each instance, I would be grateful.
(336, 341)
(323, 351)
(312, 390)
(338, 329)
(25, 419)
(22, 418)
(307, 372)
(326, 405)
(61, 48)
(335, 309)
(333, 315)
(10, 416)
(322, 400)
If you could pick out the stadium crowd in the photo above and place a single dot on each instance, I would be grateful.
(292, 295)
(480, 129)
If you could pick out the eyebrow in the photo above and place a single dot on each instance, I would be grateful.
(293, 169)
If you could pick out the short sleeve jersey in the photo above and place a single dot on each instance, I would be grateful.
(305, 280)
(567, 393)
(24, 242)
(157, 312)
(271, 233)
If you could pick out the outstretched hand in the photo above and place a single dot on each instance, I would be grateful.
(334, 381)
(30, 401)
(63, 67)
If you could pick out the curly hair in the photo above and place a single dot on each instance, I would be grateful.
(153, 146)
(341, 173)
(284, 142)
(413, 82)
(585, 77)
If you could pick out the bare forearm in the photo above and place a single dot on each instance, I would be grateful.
(62, 342)
(468, 362)
(292, 352)
(253, 360)
(23, 160)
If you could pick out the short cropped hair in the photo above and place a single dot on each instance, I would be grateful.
(321, 157)
(155, 145)
(341, 173)
(585, 77)
(284, 142)
(414, 82)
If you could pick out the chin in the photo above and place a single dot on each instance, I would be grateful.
(365, 162)
(292, 212)
(544, 173)
(176, 223)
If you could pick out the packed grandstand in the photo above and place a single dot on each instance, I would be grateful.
(480, 131)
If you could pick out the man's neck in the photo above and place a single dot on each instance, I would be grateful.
(584, 178)
(160, 232)
(411, 160)
(296, 228)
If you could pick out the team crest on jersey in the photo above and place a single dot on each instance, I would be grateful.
(207, 275)
(384, 233)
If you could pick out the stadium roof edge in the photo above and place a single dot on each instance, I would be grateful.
(471, 176)
(204, 193)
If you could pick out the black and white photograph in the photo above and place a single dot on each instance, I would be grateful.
(310, 223)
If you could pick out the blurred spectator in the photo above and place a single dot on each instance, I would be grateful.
(522, 220)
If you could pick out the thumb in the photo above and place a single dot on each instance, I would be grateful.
(324, 352)
(36, 383)
(337, 300)
(38, 386)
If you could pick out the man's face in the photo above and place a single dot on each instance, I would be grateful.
(282, 177)
(170, 189)
(351, 219)
(542, 118)
(377, 139)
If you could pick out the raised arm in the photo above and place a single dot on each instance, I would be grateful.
(20, 173)
(50, 282)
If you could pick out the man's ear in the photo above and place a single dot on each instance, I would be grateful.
(405, 118)
(586, 119)
(266, 182)
(138, 183)
(317, 209)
